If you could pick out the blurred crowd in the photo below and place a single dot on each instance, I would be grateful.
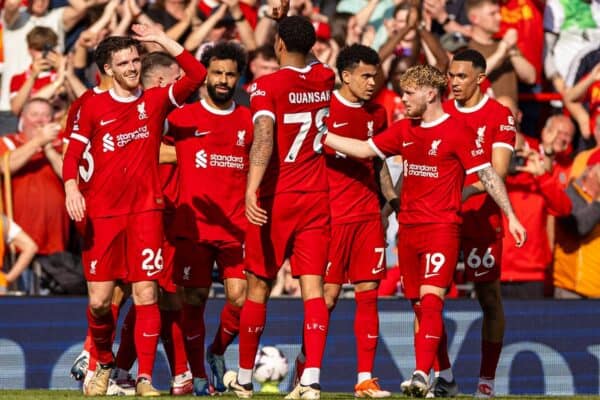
(543, 63)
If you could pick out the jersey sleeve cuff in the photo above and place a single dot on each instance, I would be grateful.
(504, 145)
(263, 113)
(80, 138)
(374, 147)
(477, 168)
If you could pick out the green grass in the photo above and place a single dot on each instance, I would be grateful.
(72, 394)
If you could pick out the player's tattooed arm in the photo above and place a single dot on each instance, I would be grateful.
(386, 186)
(260, 155)
(495, 187)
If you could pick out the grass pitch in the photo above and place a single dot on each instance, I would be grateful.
(72, 394)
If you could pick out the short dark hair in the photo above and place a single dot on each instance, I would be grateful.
(350, 57)
(225, 51)
(153, 60)
(265, 51)
(471, 4)
(111, 45)
(41, 37)
(297, 33)
(472, 56)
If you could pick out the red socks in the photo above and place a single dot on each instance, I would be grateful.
(428, 338)
(146, 335)
(228, 328)
(194, 331)
(173, 342)
(490, 354)
(366, 329)
(252, 324)
(127, 352)
(101, 329)
(316, 324)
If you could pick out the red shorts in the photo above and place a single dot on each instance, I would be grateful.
(427, 255)
(125, 247)
(483, 258)
(194, 262)
(356, 253)
(298, 228)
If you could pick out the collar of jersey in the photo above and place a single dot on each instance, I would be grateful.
(217, 111)
(300, 70)
(345, 102)
(121, 99)
(436, 122)
(476, 107)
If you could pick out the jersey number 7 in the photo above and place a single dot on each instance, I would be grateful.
(305, 120)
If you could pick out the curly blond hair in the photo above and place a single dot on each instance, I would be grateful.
(424, 76)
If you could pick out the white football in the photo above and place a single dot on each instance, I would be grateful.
(270, 365)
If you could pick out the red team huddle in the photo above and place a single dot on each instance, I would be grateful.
(299, 160)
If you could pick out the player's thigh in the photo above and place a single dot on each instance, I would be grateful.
(483, 258)
(103, 252)
(230, 260)
(165, 281)
(310, 247)
(408, 262)
(438, 254)
(266, 246)
(144, 240)
(367, 259)
(194, 263)
(340, 248)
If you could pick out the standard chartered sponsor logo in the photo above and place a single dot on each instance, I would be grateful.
(203, 160)
(139, 133)
(425, 171)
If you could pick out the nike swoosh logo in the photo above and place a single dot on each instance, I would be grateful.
(189, 338)
(102, 123)
(339, 124)
(369, 336)
(406, 144)
(478, 274)
(150, 334)
(375, 271)
(152, 273)
(228, 332)
(431, 337)
(201, 133)
(430, 275)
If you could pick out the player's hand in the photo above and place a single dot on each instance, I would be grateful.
(517, 230)
(254, 213)
(74, 201)
(148, 33)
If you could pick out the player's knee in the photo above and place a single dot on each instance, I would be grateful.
(195, 296)
(236, 296)
(99, 306)
(330, 302)
(145, 293)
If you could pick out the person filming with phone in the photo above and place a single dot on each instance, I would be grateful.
(537, 195)
(45, 76)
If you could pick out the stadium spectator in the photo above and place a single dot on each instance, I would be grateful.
(13, 235)
(506, 65)
(586, 91)
(535, 195)
(35, 164)
(577, 271)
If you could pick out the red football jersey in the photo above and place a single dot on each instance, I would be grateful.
(168, 174)
(212, 155)
(436, 156)
(122, 139)
(74, 110)
(43, 79)
(353, 189)
(298, 101)
(495, 127)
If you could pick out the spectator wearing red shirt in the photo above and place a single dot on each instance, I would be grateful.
(535, 195)
(40, 79)
(587, 90)
(36, 163)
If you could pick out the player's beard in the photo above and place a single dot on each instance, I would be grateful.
(127, 84)
(218, 97)
(416, 110)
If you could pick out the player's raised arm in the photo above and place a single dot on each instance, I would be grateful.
(352, 147)
(497, 190)
(194, 70)
(260, 155)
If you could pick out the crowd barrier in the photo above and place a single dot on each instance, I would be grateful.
(551, 347)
